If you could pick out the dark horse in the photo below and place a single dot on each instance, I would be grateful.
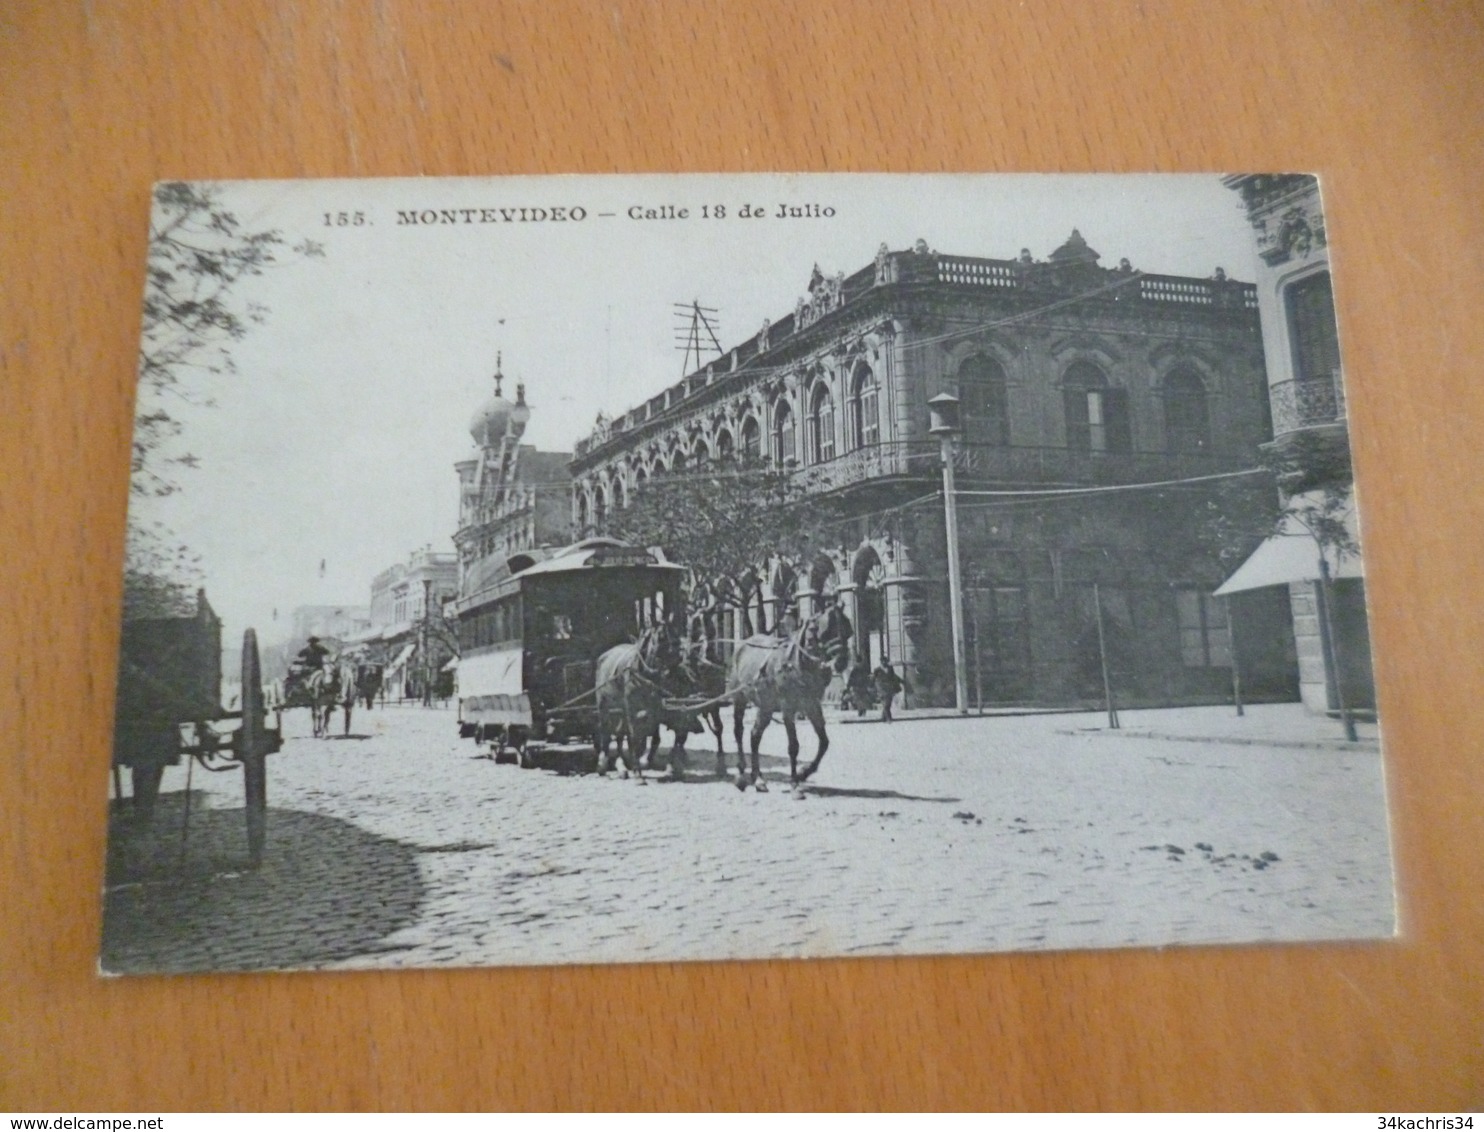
(629, 687)
(788, 676)
(332, 685)
(368, 683)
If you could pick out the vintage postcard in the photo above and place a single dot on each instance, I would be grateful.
(552, 570)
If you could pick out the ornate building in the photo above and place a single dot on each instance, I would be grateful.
(1077, 382)
(1307, 392)
(512, 497)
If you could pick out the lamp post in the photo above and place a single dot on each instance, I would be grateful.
(943, 422)
(426, 642)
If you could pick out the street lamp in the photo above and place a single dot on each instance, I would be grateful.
(427, 643)
(943, 422)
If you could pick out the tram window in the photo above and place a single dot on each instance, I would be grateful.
(561, 627)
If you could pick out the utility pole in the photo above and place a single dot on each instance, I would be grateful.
(1097, 605)
(426, 633)
(694, 325)
(943, 422)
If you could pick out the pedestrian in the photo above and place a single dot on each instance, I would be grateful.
(858, 688)
(888, 684)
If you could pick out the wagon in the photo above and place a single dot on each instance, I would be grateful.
(170, 708)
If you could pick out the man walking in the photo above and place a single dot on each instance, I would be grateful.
(888, 684)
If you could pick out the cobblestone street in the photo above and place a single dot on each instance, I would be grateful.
(396, 847)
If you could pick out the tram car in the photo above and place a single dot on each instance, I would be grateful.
(529, 640)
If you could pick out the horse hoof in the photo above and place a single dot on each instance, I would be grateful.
(760, 786)
(741, 784)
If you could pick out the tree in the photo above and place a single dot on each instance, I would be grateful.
(199, 254)
(1307, 482)
(726, 521)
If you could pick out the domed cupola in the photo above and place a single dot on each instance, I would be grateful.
(492, 420)
(521, 413)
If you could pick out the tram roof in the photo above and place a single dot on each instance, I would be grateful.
(596, 553)
(591, 553)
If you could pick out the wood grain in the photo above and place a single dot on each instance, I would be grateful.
(1386, 101)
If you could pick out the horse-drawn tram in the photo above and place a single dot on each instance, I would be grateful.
(169, 707)
(530, 638)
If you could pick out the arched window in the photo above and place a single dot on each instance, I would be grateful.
(600, 507)
(752, 440)
(640, 475)
(620, 494)
(1097, 413)
(783, 433)
(863, 424)
(723, 445)
(1187, 423)
(701, 452)
(582, 513)
(983, 401)
(677, 461)
(1311, 318)
(820, 434)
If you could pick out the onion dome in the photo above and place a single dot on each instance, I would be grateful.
(521, 413)
(1075, 250)
(491, 421)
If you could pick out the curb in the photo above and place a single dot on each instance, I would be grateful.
(1372, 745)
(1013, 713)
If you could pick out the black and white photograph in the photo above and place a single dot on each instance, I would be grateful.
(615, 569)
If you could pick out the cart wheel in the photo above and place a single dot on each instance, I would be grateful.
(253, 747)
(146, 778)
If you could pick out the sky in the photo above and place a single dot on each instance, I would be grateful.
(335, 440)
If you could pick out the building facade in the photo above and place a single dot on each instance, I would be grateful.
(332, 622)
(405, 636)
(1079, 386)
(401, 594)
(513, 498)
(1307, 394)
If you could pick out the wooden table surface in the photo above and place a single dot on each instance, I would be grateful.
(1385, 101)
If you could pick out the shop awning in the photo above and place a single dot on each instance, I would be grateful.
(1292, 555)
(402, 656)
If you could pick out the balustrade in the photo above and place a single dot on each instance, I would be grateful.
(1307, 403)
(1004, 464)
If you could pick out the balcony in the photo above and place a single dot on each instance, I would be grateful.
(1005, 464)
(1307, 403)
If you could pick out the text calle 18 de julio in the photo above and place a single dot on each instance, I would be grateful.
(576, 213)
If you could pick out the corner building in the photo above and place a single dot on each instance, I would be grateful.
(1071, 377)
(1307, 393)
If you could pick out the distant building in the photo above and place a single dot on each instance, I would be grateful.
(336, 622)
(399, 593)
(1079, 385)
(403, 636)
(1307, 393)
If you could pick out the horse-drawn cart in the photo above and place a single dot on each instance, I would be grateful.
(169, 707)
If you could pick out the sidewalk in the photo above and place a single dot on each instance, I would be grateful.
(901, 714)
(1263, 725)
